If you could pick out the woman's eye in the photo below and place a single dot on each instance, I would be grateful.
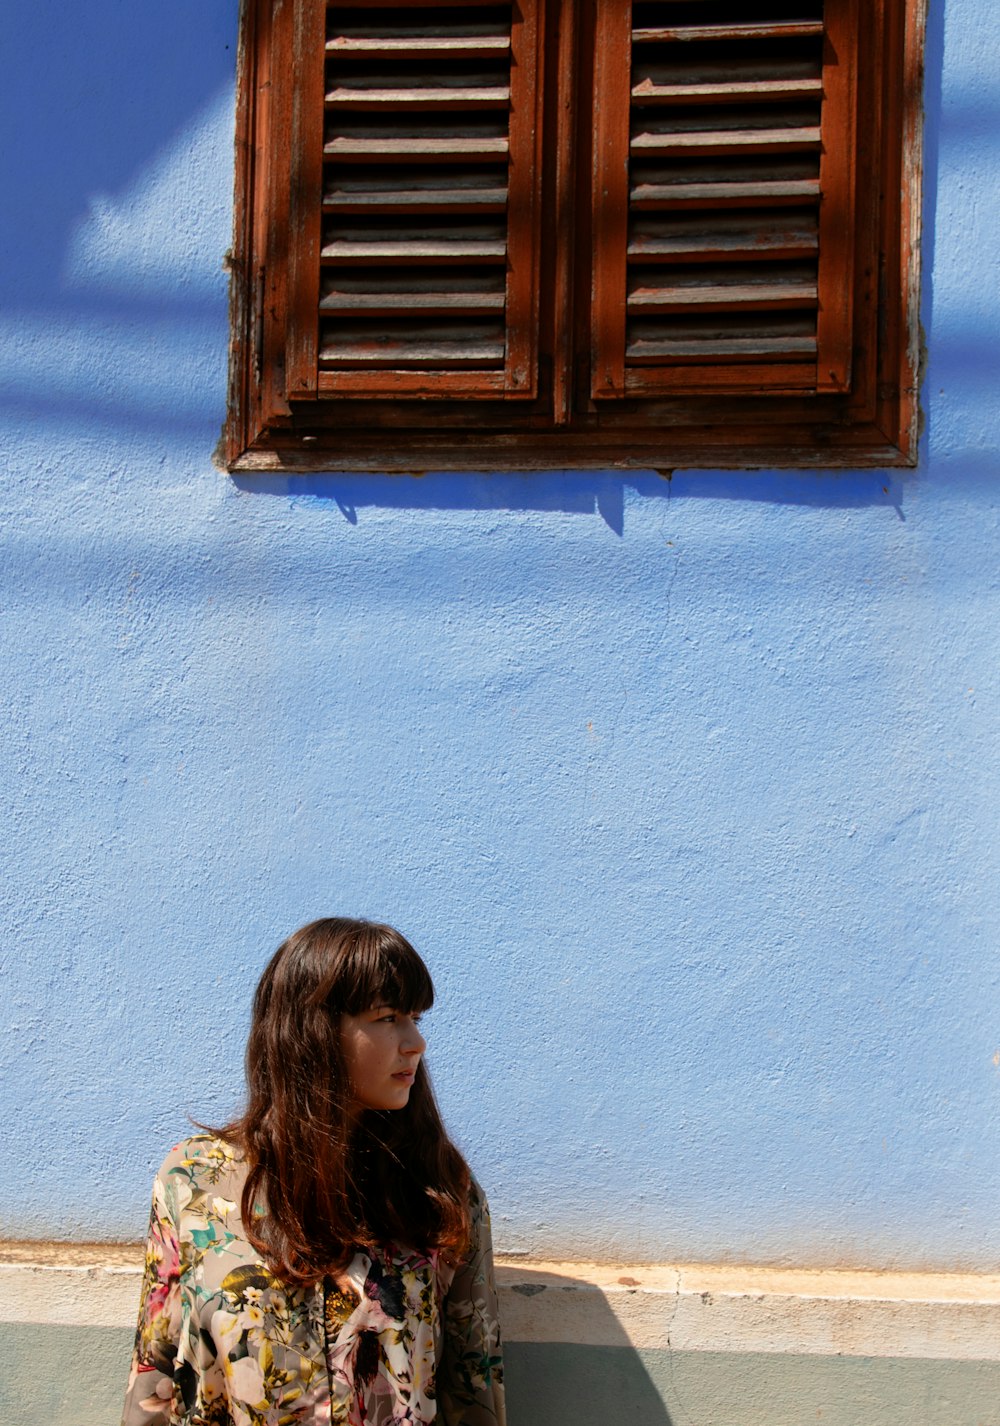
(389, 1019)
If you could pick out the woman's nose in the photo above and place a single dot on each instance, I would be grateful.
(415, 1043)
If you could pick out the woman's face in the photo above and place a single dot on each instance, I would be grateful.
(382, 1048)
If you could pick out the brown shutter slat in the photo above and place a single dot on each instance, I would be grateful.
(740, 238)
(419, 6)
(720, 73)
(421, 97)
(707, 194)
(752, 30)
(712, 141)
(424, 276)
(421, 46)
(347, 199)
(413, 250)
(748, 296)
(727, 144)
(746, 348)
(384, 304)
(376, 345)
(391, 150)
(727, 91)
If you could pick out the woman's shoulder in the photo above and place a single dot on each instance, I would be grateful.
(201, 1158)
(479, 1205)
(480, 1225)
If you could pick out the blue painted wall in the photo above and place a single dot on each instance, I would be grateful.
(686, 790)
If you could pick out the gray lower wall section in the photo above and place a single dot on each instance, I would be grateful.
(558, 1385)
(67, 1376)
(62, 1376)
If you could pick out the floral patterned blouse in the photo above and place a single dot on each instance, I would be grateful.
(222, 1342)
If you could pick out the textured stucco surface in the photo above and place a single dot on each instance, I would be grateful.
(686, 790)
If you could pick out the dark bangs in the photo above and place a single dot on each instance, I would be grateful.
(379, 967)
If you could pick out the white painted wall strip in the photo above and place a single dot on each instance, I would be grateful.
(683, 1308)
(715, 1309)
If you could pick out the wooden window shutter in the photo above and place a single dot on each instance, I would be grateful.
(414, 200)
(723, 198)
(731, 194)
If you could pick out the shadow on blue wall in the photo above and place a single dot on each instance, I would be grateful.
(576, 492)
(95, 93)
(114, 223)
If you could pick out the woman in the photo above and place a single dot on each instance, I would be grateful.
(324, 1258)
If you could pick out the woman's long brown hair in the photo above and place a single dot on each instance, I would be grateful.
(324, 1180)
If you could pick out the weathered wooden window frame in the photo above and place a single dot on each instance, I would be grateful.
(560, 396)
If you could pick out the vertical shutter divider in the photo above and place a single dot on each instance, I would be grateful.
(523, 201)
(610, 196)
(563, 232)
(838, 172)
(306, 190)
